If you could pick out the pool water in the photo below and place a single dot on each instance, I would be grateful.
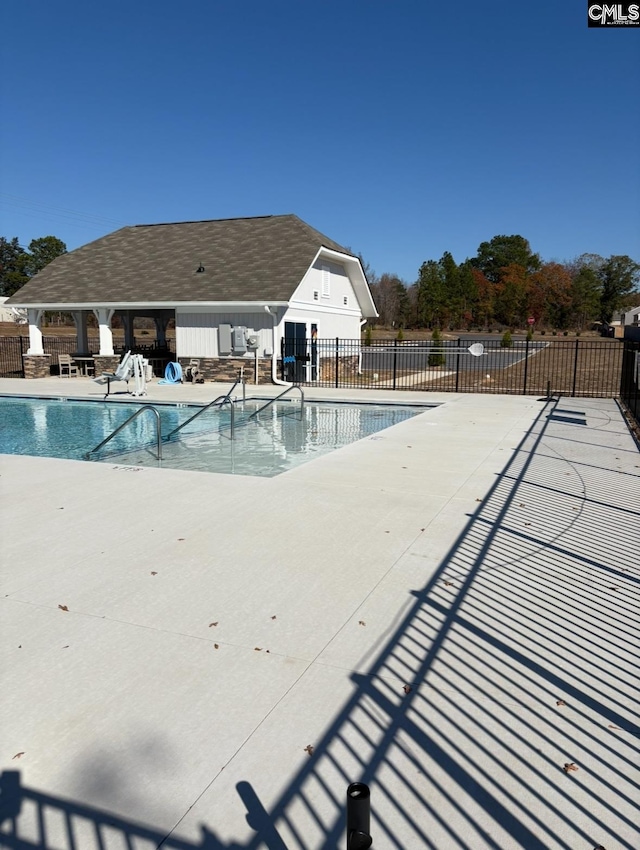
(280, 438)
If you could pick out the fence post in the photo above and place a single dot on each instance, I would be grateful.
(358, 816)
(337, 359)
(459, 345)
(395, 361)
(575, 370)
(526, 367)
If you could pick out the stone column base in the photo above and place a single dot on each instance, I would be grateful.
(105, 363)
(36, 365)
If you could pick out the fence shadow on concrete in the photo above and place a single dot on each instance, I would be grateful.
(500, 711)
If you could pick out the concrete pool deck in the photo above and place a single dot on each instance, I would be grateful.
(447, 611)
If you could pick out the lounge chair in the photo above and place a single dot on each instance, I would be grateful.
(122, 373)
(67, 366)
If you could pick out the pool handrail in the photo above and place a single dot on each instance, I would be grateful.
(283, 393)
(133, 416)
(221, 400)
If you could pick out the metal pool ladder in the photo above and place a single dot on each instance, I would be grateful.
(271, 401)
(143, 409)
(222, 399)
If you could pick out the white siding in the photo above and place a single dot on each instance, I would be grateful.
(331, 281)
(197, 332)
(329, 325)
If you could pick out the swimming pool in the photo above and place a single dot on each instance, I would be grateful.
(279, 439)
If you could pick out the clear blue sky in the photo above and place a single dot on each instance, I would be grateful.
(400, 128)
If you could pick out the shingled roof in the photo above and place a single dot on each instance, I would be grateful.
(244, 259)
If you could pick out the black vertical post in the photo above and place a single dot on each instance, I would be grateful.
(575, 370)
(459, 346)
(282, 350)
(337, 360)
(395, 361)
(358, 816)
(526, 367)
(21, 353)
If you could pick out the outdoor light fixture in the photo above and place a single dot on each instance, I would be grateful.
(200, 269)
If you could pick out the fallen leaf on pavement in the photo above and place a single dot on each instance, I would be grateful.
(569, 766)
(257, 649)
(448, 583)
(154, 573)
(215, 646)
(63, 607)
(361, 623)
(560, 702)
(214, 624)
(18, 755)
(611, 726)
(274, 617)
(407, 689)
(309, 749)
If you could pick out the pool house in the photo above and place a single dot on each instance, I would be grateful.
(246, 295)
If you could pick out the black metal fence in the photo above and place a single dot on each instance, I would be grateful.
(13, 347)
(630, 378)
(11, 350)
(572, 367)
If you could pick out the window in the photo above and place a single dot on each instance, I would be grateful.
(316, 295)
(345, 300)
(326, 282)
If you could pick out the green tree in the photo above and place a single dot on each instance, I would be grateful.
(507, 340)
(43, 251)
(12, 266)
(503, 251)
(437, 357)
(619, 275)
(431, 295)
(468, 295)
(17, 266)
(585, 296)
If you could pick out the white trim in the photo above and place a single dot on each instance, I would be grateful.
(227, 306)
(355, 273)
(315, 307)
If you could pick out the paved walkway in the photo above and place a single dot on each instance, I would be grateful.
(447, 611)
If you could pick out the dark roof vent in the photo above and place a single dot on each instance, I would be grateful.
(200, 269)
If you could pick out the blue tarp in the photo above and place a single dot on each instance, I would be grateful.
(172, 374)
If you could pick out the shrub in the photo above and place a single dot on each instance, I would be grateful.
(437, 358)
(554, 333)
(506, 341)
(367, 335)
(542, 333)
(565, 333)
(529, 334)
(400, 335)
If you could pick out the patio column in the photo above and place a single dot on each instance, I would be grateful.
(35, 334)
(82, 343)
(127, 323)
(161, 323)
(104, 316)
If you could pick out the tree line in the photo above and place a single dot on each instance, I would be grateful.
(18, 264)
(503, 286)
